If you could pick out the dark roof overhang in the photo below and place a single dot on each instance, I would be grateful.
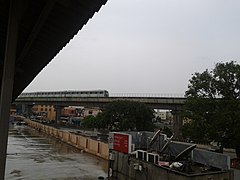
(44, 28)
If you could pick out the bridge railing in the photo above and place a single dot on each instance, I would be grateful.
(146, 95)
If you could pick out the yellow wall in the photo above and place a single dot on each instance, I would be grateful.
(89, 145)
(50, 110)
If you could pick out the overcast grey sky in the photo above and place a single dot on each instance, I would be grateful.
(139, 46)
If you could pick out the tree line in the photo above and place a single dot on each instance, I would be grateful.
(212, 109)
(122, 116)
(213, 106)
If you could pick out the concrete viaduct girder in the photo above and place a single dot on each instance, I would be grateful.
(167, 103)
(155, 103)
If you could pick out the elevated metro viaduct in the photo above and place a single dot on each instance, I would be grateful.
(31, 34)
(168, 103)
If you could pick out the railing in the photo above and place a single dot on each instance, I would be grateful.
(175, 95)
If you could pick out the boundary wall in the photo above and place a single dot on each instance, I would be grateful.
(89, 145)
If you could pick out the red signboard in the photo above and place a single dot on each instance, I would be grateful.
(122, 142)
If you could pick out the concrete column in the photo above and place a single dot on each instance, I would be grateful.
(7, 82)
(177, 124)
(24, 110)
(58, 114)
(20, 108)
(29, 110)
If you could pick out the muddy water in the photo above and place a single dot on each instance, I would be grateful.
(34, 156)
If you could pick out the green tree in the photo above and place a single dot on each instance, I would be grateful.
(89, 122)
(100, 121)
(213, 105)
(125, 115)
(95, 122)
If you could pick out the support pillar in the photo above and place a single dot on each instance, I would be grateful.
(20, 108)
(58, 114)
(177, 124)
(23, 110)
(7, 82)
(28, 110)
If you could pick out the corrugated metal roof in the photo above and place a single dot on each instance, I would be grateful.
(45, 27)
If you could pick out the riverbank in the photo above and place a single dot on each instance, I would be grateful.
(86, 144)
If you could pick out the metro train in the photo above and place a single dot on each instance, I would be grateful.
(95, 93)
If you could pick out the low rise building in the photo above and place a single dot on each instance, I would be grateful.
(91, 111)
(69, 112)
(46, 112)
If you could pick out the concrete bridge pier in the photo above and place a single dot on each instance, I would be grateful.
(177, 123)
(21, 108)
(28, 110)
(58, 114)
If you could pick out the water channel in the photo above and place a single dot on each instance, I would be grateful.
(32, 155)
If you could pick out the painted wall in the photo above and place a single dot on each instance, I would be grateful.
(89, 145)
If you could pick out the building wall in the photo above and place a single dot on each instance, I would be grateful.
(160, 114)
(43, 110)
(68, 112)
(49, 112)
(91, 111)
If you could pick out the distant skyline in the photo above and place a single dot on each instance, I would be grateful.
(145, 47)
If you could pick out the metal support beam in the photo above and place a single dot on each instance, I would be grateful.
(7, 82)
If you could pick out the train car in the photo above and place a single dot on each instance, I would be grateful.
(96, 93)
